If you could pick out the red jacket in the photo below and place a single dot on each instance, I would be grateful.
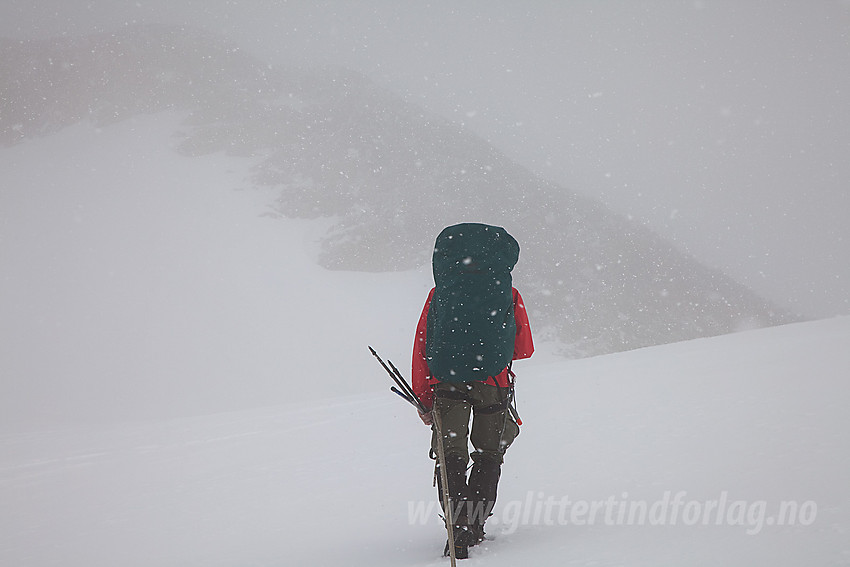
(423, 382)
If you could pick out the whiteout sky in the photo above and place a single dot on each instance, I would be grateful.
(723, 125)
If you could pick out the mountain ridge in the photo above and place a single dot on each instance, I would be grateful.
(333, 144)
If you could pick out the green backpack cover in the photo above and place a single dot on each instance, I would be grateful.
(471, 326)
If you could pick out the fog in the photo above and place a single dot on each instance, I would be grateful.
(198, 239)
(724, 126)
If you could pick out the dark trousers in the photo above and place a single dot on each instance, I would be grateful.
(492, 431)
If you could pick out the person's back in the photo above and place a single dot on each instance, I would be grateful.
(472, 326)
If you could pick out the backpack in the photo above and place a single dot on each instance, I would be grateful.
(471, 327)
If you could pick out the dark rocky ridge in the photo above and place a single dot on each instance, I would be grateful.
(390, 175)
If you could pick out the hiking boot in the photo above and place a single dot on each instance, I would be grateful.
(464, 539)
(476, 535)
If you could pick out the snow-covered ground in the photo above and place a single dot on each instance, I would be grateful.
(140, 283)
(182, 386)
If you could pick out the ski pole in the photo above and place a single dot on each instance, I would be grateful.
(395, 376)
(401, 379)
(444, 481)
(404, 390)
(403, 396)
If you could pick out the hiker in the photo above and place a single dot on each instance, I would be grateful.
(473, 325)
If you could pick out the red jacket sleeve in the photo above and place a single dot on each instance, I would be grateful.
(523, 345)
(420, 373)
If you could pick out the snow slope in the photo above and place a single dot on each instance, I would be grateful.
(760, 416)
(138, 283)
(173, 395)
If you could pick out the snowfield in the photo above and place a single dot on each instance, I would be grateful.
(182, 385)
(757, 419)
